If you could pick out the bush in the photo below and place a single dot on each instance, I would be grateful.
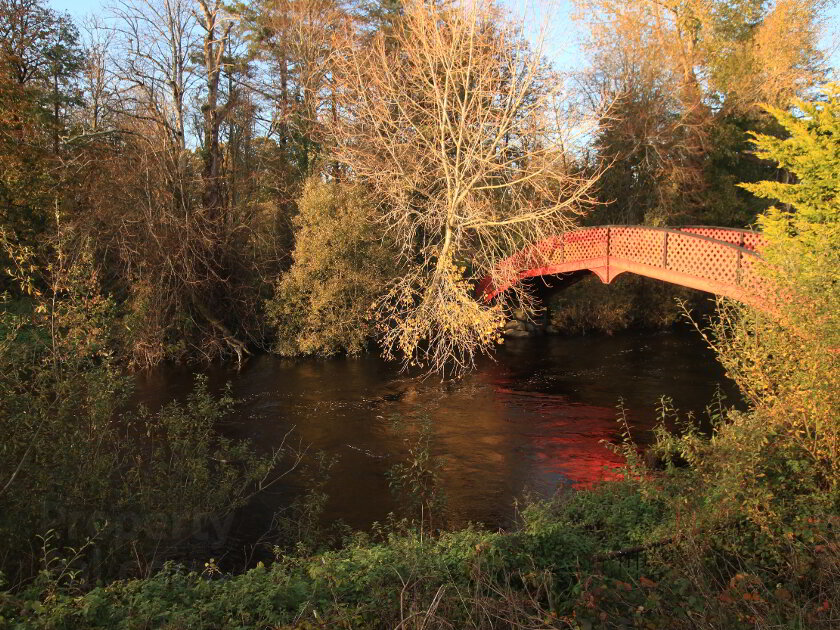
(109, 487)
(630, 301)
(342, 264)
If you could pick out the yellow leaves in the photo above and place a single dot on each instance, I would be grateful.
(442, 326)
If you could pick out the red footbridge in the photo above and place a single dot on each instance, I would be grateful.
(718, 260)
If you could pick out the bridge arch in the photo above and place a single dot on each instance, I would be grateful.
(723, 261)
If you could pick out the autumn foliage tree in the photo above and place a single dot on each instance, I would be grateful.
(451, 122)
(686, 79)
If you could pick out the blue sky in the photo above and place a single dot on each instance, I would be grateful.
(562, 45)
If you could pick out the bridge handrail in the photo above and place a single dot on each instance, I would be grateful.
(735, 268)
(712, 227)
(750, 239)
(672, 230)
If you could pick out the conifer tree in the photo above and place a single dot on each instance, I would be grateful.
(803, 232)
(787, 362)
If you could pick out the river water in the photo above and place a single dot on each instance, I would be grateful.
(532, 419)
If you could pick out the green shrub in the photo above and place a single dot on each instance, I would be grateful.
(630, 301)
(111, 488)
(342, 264)
(415, 482)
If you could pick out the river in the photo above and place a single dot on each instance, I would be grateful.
(533, 418)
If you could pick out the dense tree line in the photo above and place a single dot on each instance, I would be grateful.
(687, 80)
(177, 136)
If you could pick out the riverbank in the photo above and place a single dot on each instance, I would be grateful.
(613, 556)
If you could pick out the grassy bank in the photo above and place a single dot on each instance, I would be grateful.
(632, 553)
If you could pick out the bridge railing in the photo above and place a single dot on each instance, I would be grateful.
(734, 236)
(718, 256)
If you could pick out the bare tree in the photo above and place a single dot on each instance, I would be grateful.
(217, 26)
(156, 38)
(452, 124)
(99, 94)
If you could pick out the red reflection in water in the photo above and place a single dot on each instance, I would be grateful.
(578, 459)
(569, 439)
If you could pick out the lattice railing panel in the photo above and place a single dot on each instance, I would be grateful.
(743, 238)
(533, 257)
(719, 255)
(753, 241)
(556, 255)
(546, 251)
(585, 244)
(733, 237)
(637, 244)
(702, 258)
(542, 254)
